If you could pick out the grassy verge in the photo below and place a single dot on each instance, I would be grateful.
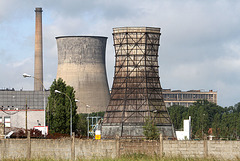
(130, 157)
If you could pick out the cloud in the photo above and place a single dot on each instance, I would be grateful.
(199, 42)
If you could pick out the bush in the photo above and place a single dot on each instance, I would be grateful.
(150, 130)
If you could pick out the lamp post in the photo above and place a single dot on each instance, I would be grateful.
(56, 91)
(202, 124)
(87, 106)
(25, 75)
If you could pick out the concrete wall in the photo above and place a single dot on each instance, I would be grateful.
(224, 149)
(95, 148)
(183, 148)
(13, 148)
(49, 148)
(75, 148)
(150, 147)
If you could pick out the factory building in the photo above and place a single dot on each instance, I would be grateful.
(187, 98)
(13, 105)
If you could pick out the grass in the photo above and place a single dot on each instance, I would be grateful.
(130, 157)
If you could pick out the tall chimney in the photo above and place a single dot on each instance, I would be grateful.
(38, 67)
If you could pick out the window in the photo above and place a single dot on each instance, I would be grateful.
(7, 121)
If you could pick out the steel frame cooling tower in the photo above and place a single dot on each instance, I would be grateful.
(136, 92)
(81, 64)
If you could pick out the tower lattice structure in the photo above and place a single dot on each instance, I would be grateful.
(136, 93)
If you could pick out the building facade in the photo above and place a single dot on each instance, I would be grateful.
(13, 105)
(187, 98)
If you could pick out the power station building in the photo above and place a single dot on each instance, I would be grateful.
(187, 98)
(136, 94)
(81, 64)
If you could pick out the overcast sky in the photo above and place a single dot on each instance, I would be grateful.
(199, 45)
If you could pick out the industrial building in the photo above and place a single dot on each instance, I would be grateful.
(187, 98)
(136, 91)
(13, 108)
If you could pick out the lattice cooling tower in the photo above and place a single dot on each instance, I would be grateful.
(136, 92)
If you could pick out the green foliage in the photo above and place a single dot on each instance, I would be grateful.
(82, 124)
(81, 128)
(225, 122)
(58, 112)
(178, 113)
(150, 130)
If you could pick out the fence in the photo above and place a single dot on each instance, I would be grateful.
(72, 148)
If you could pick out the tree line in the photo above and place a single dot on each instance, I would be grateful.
(208, 118)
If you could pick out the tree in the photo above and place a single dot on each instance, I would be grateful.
(150, 130)
(58, 116)
(237, 107)
(178, 113)
(82, 124)
(225, 122)
(216, 125)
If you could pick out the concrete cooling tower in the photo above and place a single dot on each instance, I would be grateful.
(81, 64)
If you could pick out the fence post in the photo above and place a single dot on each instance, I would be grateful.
(117, 146)
(28, 145)
(205, 144)
(161, 146)
(73, 146)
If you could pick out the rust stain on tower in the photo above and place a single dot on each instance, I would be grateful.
(136, 92)
(38, 67)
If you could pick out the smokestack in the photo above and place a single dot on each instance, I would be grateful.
(38, 67)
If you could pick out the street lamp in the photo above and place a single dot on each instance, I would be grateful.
(25, 75)
(202, 125)
(56, 91)
(87, 106)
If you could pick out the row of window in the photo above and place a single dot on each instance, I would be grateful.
(185, 96)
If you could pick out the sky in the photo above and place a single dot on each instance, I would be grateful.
(199, 45)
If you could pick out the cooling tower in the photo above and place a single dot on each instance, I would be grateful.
(136, 92)
(38, 66)
(81, 64)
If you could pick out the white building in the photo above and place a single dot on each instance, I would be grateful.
(14, 119)
(186, 133)
(13, 108)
